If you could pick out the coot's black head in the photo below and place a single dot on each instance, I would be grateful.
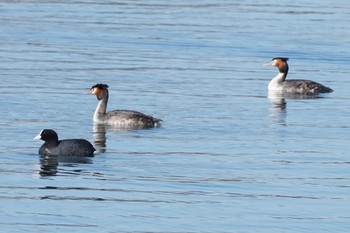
(47, 135)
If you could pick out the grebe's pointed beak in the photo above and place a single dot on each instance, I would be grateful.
(88, 92)
(268, 64)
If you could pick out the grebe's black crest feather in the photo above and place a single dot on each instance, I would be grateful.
(100, 85)
(281, 58)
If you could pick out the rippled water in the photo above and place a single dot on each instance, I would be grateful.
(227, 158)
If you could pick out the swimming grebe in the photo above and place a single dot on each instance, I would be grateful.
(294, 86)
(67, 147)
(119, 118)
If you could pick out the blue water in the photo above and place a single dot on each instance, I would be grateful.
(227, 158)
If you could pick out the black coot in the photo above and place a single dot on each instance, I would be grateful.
(67, 147)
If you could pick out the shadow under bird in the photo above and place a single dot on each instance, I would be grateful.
(119, 118)
(293, 86)
(66, 147)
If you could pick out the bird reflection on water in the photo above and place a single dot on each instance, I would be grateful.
(278, 109)
(278, 100)
(49, 164)
(100, 138)
(100, 134)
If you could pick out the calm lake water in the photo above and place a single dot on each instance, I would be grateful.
(227, 158)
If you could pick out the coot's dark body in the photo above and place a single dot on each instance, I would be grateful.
(67, 147)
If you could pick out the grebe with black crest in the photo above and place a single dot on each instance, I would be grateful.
(293, 86)
(119, 118)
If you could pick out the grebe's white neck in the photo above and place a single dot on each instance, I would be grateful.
(101, 108)
(276, 82)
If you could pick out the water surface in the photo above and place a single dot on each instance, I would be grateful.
(227, 158)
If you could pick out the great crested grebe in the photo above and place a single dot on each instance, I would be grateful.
(294, 86)
(67, 147)
(119, 118)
